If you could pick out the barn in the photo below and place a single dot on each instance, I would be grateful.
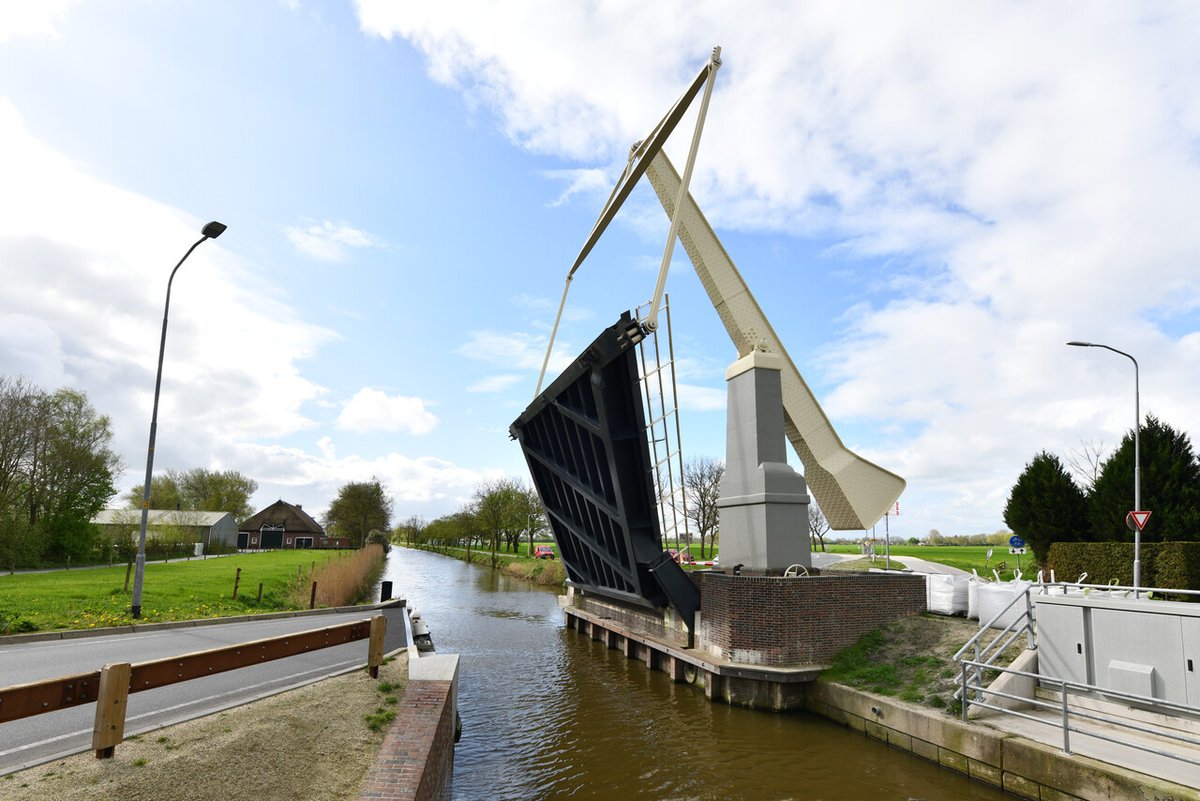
(284, 525)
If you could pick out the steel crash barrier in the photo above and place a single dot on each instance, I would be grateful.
(109, 687)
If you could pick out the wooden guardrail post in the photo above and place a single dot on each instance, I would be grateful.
(375, 645)
(111, 699)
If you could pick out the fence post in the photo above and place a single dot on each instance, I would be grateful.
(237, 577)
(1066, 723)
(1032, 643)
(111, 698)
(965, 701)
(260, 592)
(312, 597)
(375, 645)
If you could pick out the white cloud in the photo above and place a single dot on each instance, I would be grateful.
(32, 19)
(329, 241)
(422, 484)
(494, 383)
(373, 410)
(1029, 171)
(583, 181)
(516, 349)
(83, 301)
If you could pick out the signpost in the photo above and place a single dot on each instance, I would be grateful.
(1137, 520)
(1016, 547)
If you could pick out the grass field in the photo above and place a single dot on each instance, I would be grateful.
(199, 588)
(966, 557)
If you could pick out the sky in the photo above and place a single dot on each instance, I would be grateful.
(928, 199)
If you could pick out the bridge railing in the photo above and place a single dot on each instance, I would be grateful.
(109, 687)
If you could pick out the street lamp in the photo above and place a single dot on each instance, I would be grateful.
(210, 231)
(1137, 459)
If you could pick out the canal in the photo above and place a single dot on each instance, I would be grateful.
(549, 714)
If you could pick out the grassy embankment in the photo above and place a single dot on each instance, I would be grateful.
(200, 588)
(547, 572)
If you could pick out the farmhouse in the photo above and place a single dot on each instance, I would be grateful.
(285, 525)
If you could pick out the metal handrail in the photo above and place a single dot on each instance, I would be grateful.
(1066, 713)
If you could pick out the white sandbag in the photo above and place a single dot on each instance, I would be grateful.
(995, 597)
(945, 594)
(973, 595)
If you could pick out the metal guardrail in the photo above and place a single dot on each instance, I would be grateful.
(1066, 714)
(109, 687)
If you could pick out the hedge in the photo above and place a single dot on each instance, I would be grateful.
(1174, 565)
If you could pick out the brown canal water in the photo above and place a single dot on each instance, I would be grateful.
(550, 714)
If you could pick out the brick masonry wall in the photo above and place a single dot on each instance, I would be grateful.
(635, 618)
(776, 621)
(417, 755)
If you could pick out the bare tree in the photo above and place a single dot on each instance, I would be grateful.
(702, 480)
(1086, 463)
(818, 526)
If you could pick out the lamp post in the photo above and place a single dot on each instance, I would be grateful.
(1137, 458)
(210, 231)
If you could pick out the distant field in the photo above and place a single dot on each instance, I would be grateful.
(965, 557)
(199, 588)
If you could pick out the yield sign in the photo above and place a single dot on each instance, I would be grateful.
(1137, 519)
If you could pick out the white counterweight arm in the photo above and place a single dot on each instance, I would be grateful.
(852, 492)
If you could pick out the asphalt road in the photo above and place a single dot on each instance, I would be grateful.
(39, 739)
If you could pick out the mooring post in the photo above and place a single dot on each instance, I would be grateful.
(111, 699)
(375, 644)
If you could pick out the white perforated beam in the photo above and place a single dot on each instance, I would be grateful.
(852, 492)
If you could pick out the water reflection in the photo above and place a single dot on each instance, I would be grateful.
(550, 714)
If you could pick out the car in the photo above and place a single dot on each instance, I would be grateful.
(684, 558)
(543, 552)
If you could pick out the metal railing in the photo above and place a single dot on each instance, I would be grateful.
(1064, 714)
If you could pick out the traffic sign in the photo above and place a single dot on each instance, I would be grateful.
(1016, 541)
(1017, 551)
(1137, 520)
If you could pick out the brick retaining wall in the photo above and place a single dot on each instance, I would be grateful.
(772, 620)
(416, 758)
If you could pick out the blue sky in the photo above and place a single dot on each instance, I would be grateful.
(928, 202)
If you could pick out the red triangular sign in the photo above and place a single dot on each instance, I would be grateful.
(1139, 519)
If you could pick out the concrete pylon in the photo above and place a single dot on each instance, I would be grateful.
(764, 502)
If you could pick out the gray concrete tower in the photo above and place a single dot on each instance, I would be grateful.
(764, 502)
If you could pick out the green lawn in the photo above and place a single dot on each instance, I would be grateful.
(965, 557)
(199, 588)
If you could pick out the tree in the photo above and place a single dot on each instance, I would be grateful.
(412, 530)
(1170, 483)
(359, 508)
(164, 493)
(199, 490)
(702, 483)
(1046, 506)
(217, 491)
(818, 526)
(71, 476)
(1086, 463)
(501, 511)
(536, 524)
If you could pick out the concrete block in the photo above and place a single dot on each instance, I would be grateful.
(899, 740)
(1021, 787)
(924, 749)
(876, 731)
(952, 759)
(1050, 794)
(1084, 777)
(981, 771)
